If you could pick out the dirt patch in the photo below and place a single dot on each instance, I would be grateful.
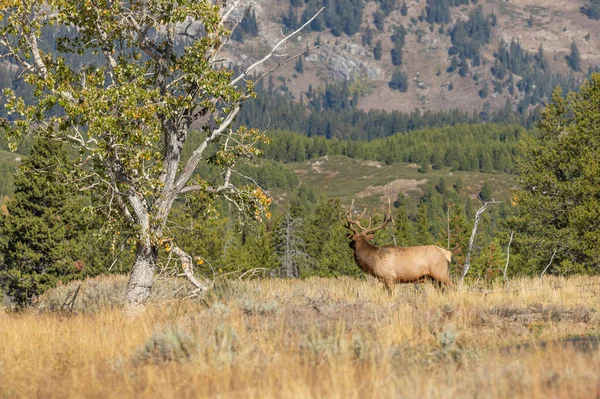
(300, 172)
(374, 164)
(318, 167)
(392, 189)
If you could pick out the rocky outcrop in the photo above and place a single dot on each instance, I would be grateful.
(346, 62)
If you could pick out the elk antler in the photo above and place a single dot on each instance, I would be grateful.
(368, 230)
(350, 222)
(386, 219)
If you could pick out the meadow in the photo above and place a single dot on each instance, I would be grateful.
(333, 338)
(373, 182)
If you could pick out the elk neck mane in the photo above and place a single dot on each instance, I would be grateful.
(366, 254)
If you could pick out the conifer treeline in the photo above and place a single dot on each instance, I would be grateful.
(340, 16)
(333, 113)
(476, 147)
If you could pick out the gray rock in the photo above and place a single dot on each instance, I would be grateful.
(346, 62)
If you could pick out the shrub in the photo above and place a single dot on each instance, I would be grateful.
(171, 345)
(105, 292)
(399, 81)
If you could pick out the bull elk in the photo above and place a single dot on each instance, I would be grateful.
(392, 264)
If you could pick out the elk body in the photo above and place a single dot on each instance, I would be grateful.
(393, 264)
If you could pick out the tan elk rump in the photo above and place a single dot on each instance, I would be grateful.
(392, 264)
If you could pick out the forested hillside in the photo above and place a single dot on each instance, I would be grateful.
(398, 55)
(485, 148)
(432, 55)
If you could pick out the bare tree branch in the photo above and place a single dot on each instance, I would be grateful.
(192, 163)
(546, 268)
(274, 49)
(37, 58)
(227, 13)
(507, 257)
(478, 214)
(186, 265)
(282, 63)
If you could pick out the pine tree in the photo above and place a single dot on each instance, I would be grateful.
(459, 235)
(463, 67)
(207, 237)
(299, 67)
(403, 228)
(574, 58)
(404, 9)
(437, 11)
(442, 186)
(399, 81)
(246, 29)
(458, 185)
(367, 38)
(424, 236)
(387, 6)
(261, 250)
(396, 53)
(377, 51)
(379, 20)
(591, 9)
(326, 242)
(485, 90)
(469, 210)
(290, 20)
(336, 256)
(236, 254)
(559, 176)
(488, 264)
(43, 236)
(453, 65)
(486, 192)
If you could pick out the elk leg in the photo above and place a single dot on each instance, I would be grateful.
(418, 288)
(389, 286)
(442, 281)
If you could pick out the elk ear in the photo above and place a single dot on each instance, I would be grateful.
(349, 235)
(369, 237)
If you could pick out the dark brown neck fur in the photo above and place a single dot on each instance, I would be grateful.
(365, 254)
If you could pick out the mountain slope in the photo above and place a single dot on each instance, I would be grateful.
(554, 24)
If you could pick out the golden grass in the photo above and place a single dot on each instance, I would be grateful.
(334, 338)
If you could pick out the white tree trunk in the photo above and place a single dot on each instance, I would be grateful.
(467, 264)
(142, 274)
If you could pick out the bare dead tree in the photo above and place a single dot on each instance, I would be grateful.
(507, 257)
(291, 249)
(478, 215)
(548, 266)
(448, 225)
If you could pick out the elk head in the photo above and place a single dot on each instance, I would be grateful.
(357, 232)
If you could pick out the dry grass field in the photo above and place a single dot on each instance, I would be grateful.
(333, 338)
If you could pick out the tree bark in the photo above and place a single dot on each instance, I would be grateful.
(142, 274)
